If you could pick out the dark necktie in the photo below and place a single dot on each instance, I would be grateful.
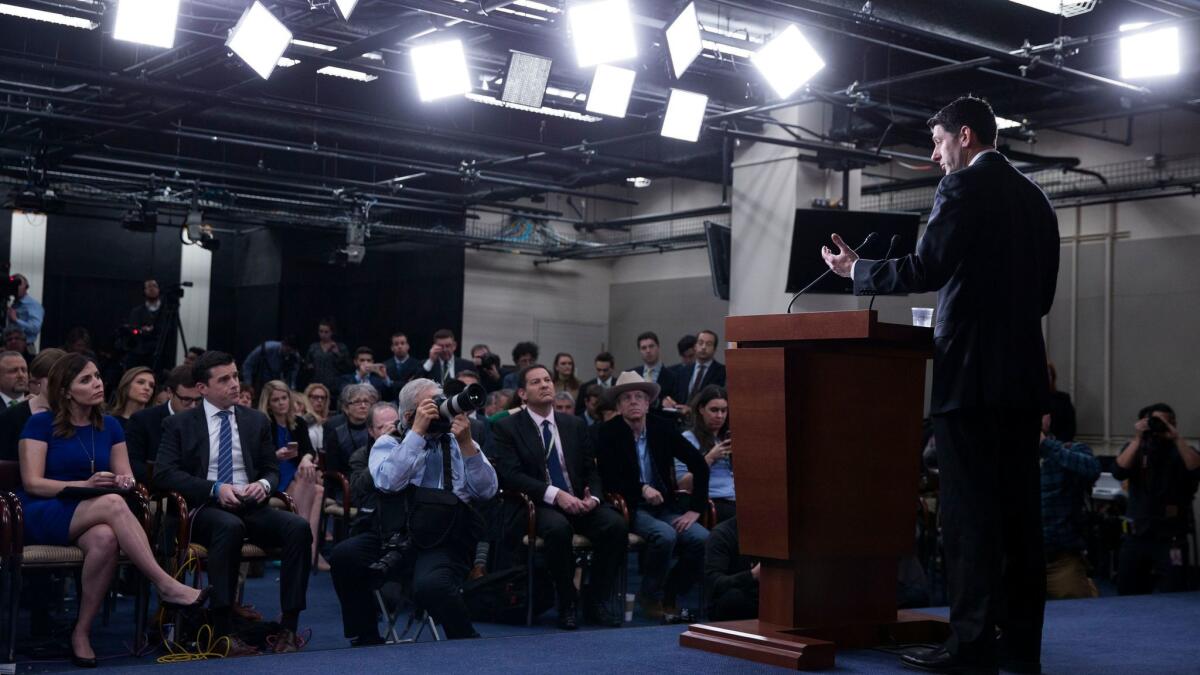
(225, 448)
(432, 478)
(553, 466)
(699, 381)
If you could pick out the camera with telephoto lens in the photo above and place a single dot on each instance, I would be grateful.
(395, 549)
(489, 360)
(1156, 424)
(471, 398)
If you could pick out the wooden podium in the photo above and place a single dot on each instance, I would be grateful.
(825, 410)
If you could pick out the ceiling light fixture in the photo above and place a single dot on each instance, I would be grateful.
(147, 22)
(1152, 53)
(602, 32)
(343, 8)
(1063, 7)
(683, 40)
(611, 89)
(259, 39)
(526, 78)
(544, 110)
(47, 17)
(348, 74)
(685, 115)
(441, 70)
(788, 61)
(1005, 123)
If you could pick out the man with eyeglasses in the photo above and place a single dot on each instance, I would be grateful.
(144, 431)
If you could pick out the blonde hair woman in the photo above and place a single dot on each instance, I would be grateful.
(298, 475)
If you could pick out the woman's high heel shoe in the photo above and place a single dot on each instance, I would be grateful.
(199, 602)
(80, 662)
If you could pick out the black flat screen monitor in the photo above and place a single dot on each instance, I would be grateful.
(718, 238)
(813, 228)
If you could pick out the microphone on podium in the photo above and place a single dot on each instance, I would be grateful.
(800, 292)
(891, 246)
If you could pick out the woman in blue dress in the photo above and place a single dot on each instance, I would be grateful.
(73, 445)
(298, 475)
(709, 433)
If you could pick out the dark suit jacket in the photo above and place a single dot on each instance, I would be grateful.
(991, 252)
(143, 434)
(184, 453)
(616, 453)
(459, 366)
(715, 374)
(399, 375)
(520, 457)
(667, 383)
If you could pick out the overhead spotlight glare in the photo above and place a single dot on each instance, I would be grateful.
(638, 181)
(47, 17)
(683, 40)
(602, 32)
(525, 82)
(685, 115)
(788, 61)
(348, 74)
(539, 6)
(1005, 123)
(314, 45)
(147, 22)
(441, 70)
(1063, 7)
(343, 8)
(727, 49)
(259, 39)
(1153, 53)
(611, 89)
(285, 62)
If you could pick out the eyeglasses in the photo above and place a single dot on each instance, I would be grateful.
(361, 401)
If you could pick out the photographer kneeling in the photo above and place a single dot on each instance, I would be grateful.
(427, 474)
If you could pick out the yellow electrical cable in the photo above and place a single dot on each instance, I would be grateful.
(206, 646)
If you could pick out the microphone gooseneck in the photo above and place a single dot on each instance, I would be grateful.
(800, 292)
(891, 245)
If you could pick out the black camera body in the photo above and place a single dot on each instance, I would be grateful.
(489, 360)
(395, 551)
(1157, 426)
(470, 399)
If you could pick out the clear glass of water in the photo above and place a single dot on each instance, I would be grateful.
(922, 316)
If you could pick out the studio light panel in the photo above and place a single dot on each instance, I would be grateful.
(344, 8)
(610, 92)
(525, 81)
(147, 22)
(259, 39)
(441, 70)
(683, 40)
(602, 32)
(787, 61)
(685, 115)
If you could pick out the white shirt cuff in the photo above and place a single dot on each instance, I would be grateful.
(266, 485)
(428, 365)
(551, 493)
(852, 265)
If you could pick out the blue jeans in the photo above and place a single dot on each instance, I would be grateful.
(654, 525)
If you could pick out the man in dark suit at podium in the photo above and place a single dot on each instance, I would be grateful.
(991, 251)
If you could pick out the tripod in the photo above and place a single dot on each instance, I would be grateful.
(170, 327)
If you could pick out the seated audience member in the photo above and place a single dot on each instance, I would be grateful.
(14, 341)
(402, 367)
(653, 369)
(193, 353)
(318, 412)
(245, 395)
(73, 446)
(161, 394)
(686, 346)
(478, 352)
(709, 433)
(144, 431)
(442, 363)
(300, 405)
(367, 372)
(591, 395)
(327, 358)
(563, 403)
(12, 420)
(605, 377)
(564, 375)
(731, 577)
(637, 454)
(497, 401)
(347, 432)
(14, 379)
(1062, 412)
(418, 458)
(490, 372)
(273, 360)
(298, 475)
(547, 456)
(524, 354)
(133, 394)
(1163, 471)
(705, 371)
(381, 421)
(1068, 472)
(78, 341)
(221, 457)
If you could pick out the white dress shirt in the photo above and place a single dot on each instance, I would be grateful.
(214, 447)
(552, 491)
(449, 366)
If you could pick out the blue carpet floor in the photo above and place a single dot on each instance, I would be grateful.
(1142, 634)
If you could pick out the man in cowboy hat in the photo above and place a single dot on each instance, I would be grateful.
(637, 454)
